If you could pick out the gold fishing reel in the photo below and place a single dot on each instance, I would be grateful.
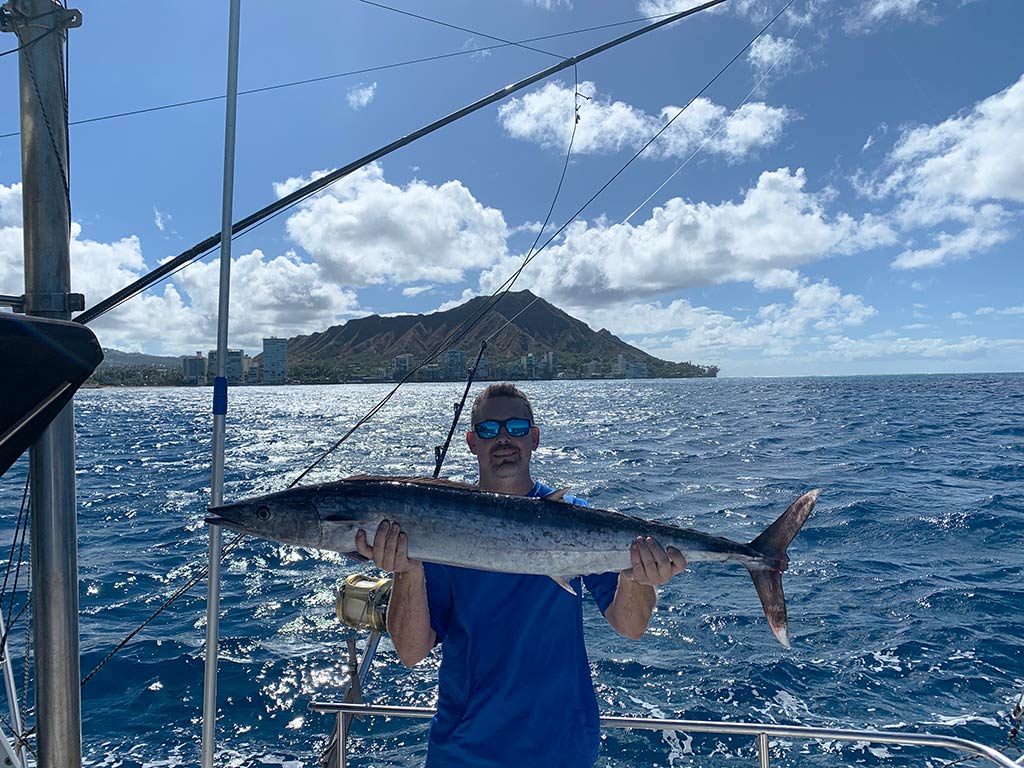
(362, 602)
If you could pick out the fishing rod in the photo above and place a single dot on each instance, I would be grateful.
(202, 248)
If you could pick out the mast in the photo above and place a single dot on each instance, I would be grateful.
(41, 28)
(220, 399)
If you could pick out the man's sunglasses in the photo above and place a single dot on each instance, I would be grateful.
(488, 430)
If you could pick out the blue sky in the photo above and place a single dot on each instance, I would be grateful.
(845, 199)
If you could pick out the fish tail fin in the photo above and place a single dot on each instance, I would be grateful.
(767, 576)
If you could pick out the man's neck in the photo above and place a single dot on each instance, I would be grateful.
(512, 486)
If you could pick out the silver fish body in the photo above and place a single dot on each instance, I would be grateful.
(455, 524)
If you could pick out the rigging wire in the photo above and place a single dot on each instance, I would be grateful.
(722, 123)
(651, 141)
(350, 73)
(288, 201)
(27, 662)
(23, 47)
(196, 577)
(21, 529)
(25, 20)
(449, 341)
(20, 739)
(67, 92)
(14, 541)
(454, 336)
(64, 176)
(457, 27)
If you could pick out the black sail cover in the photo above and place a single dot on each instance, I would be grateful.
(42, 365)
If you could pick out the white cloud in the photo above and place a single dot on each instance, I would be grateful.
(467, 294)
(416, 290)
(10, 205)
(548, 5)
(967, 171)
(545, 117)
(771, 53)
(1018, 310)
(681, 331)
(975, 156)
(160, 219)
(886, 347)
(364, 230)
(986, 231)
(280, 296)
(958, 317)
(754, 10)
(283, 296)
(776, 227)
(361, 95)
(12, 246)
(870, 15)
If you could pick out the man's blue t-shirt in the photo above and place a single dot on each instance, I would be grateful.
(514, 688)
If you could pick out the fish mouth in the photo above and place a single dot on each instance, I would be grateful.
(212, 518)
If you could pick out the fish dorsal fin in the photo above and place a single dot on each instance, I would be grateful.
(558, 495)
(437, 481)
(563, 582)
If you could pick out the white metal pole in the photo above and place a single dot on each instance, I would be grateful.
(11, 687)
(220, 397)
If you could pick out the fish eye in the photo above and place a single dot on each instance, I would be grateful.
(263, 512)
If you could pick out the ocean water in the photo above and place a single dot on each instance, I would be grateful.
(905, 592)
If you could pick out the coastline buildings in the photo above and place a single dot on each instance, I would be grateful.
(624, 368)
(193, 370)
(241, 369)
(453, 364)
(401, 365)
(275, 360)
(235, 370)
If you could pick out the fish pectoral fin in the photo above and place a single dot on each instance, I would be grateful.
(563, 582)
(558, 495)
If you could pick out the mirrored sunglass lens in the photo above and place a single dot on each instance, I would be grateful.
(488, 429)
(517, 427)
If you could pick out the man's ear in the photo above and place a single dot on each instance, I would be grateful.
(471, 441)
(536, 437)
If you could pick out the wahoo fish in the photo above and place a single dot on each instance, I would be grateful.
(455, 524)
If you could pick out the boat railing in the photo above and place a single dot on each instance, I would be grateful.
(759, 732)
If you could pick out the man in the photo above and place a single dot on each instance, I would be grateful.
(514, 688)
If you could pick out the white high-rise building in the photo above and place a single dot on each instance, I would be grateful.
(193, 369)
(275, 361)
(235, 368)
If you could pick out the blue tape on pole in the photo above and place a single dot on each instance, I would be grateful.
(220, 396)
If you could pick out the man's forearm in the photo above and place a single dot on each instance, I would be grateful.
(409, 617)
(630, 610)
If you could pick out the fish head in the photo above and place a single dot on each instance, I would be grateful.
(288, 517)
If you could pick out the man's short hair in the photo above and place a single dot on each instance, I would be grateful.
(504, 389)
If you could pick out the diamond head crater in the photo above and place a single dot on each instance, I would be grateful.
(526, 338)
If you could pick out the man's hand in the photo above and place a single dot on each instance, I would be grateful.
(390, 550)
(408, 614)
(651, 564)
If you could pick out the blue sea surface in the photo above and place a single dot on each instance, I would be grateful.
(905, 593)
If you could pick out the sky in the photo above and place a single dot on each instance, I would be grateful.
(847, 197)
